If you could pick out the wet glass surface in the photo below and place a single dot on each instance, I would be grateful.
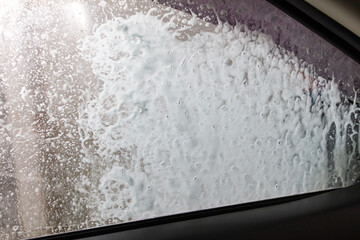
(115, 111)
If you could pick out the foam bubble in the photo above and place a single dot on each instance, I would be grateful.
(221, 118)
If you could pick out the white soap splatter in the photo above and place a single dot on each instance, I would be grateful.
(102, 4)
(222, 118)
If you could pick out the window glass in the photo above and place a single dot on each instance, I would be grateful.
(115, 111)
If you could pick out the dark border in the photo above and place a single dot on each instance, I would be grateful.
(321, 24)
(331, 214)
(179, 217)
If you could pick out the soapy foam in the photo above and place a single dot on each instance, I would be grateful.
(224, 117)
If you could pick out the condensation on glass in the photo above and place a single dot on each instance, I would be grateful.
(115, 111)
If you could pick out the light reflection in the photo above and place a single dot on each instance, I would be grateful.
(9, 12)
(76, 14)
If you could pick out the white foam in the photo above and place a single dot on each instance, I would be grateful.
(221, 118)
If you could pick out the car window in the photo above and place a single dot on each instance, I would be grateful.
(117, 111)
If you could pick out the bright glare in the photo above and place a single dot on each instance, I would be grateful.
(76, 14)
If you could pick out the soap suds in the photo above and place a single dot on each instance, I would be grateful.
(220, 118)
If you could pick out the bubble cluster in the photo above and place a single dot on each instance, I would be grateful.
(223, 117)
